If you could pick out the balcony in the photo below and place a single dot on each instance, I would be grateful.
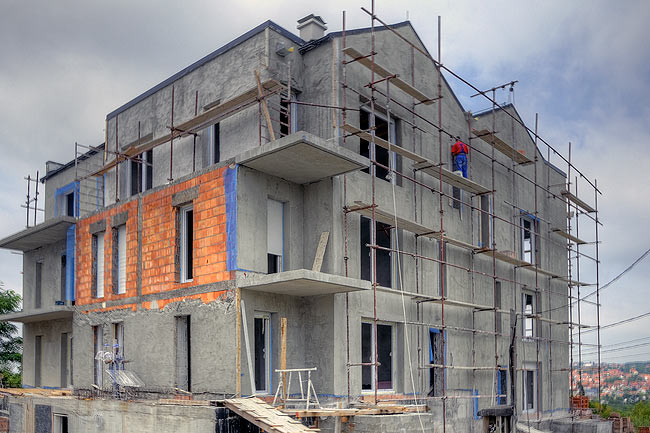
(301, 282)
(45, 233)
(52, 312)
(302, 158)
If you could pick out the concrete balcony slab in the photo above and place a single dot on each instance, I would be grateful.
(302, 158)
(301, 282)
(45, 233)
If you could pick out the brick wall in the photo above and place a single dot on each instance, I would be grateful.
(159, 241)
(84, 255)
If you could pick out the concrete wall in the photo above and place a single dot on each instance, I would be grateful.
(318, 326)
(51, 358)
(89, 190)
(33, 415)
(50, 258)
(149, 344)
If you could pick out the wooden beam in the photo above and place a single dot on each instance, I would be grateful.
(421, 163)
(197, 123)
(238, 342)
(283, 355)
(568, 236)
(265, 108)
(571, 197)
(320, 252)
(516, 155)
(384, 73)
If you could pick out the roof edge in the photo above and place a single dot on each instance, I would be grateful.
(214, 54)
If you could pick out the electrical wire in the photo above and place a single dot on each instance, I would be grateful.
(629, 268)
(626, 270)
(621, 322)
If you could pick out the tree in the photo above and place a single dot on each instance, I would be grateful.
(641, 414)
(11, 345)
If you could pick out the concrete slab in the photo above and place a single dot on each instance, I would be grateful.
(301, 282)
(48, 232)
(302, 158)
(39, 315)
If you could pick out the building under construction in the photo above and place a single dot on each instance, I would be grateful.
(283, 219)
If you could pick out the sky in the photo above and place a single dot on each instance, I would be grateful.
(584, 67)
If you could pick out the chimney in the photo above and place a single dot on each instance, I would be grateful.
(311, 27)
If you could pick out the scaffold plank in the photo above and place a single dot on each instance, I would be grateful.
(266, 417)
(568, 236)
(502, 146)
(388, 218)
(421, 163)
(196, 123)
(450, 177)
(572, 197)
(384, 73)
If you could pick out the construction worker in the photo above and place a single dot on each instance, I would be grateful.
(459, 151)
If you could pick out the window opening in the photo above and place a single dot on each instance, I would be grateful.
(216, 143)
(60, 424)
(187, 244)
(38, 284)
(528, 240)
(63, 277)
(529, 311)
(262, 354)
(183, 353)
(384, 379)
(275, 235)
(38, 341)
(383, 257)
(436, 357)
(382, 155)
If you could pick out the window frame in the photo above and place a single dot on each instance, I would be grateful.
(379, 226)
(98, 343)
(526, 369)
(271, 255)
(186, 256)
(526, 334)
(532, 231)
(143, 173)
(393, 357)
(100, 271)
(120, 265)
(392, 133)
(268, 354)
(215, 143)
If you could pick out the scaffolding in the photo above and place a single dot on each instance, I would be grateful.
(382, 82)
(431, 176)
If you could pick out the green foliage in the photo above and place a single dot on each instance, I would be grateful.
(641, 414)
(601, 409)
(11, 345)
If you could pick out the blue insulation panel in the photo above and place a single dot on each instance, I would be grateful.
(230, 188)
(69, 264)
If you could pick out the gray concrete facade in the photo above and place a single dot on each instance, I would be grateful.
(321, 328)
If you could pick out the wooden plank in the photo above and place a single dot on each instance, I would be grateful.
(269, 419)
(450, 177)
(283, 355)
(320, 252)
(196, 123)
(383, 143)
(238, 339)
(248, 346)
(383, 72)
(408, 225)
(265, 108)
(571, 197)
(568, 236)
(421, 163)
(502, 146)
